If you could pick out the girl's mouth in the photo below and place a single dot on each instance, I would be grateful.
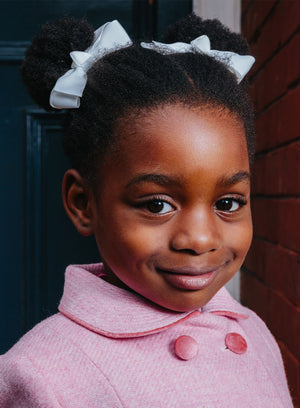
(190, 279)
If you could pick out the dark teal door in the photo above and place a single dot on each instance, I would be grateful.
(37, 241)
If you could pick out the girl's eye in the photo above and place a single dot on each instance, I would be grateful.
(158, 206)
(229, 204)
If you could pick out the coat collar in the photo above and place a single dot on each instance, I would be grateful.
(114, 312)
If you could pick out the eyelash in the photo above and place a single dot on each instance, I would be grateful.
(241, 201)
(155, 199)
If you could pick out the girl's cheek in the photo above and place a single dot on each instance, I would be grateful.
(237, 236)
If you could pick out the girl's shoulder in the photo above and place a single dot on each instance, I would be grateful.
(266, 347)
(42, 336)
(259, 331)
(20, 368)
(49, 368)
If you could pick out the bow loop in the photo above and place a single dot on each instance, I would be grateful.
(201, 44)
(110, 37)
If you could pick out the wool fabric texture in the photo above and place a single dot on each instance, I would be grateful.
(109, 347)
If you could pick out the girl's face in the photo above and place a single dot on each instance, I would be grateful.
(172, 218)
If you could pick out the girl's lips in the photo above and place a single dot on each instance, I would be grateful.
(192, 270)
(190, 281)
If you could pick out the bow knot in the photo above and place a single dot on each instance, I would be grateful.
(80, 59)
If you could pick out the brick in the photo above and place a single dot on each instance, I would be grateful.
(284, 274)
(289, 221)
(292, 368)
(278, 172)
(290, 266)
(288, 118)
(283, 319)
(278, 74)
(254, 294)
(278, 28)
(245, 5)
(263, 214)
(276, 316)
(256, 258)
(289, 14)
(277, 267)
(280, 122)
(296, 402)
(255, 16)
(263, 260)
(277, 221)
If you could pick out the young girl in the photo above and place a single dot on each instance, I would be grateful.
(160, 136)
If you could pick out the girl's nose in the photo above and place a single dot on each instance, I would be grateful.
(196, 232)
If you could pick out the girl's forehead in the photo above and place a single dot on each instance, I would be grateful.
(164, 115)
(180, 141)
(169, 126)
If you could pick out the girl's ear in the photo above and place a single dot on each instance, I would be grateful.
(77, 196)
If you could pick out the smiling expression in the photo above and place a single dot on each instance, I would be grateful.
(172, 217)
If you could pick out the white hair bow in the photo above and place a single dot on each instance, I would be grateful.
(238, 64)
(110, 37)
(68, 89)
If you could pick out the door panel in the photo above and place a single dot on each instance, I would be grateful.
(51, 241)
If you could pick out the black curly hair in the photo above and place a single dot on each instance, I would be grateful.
(132, 80)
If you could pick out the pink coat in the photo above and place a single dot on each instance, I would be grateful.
(109, 347)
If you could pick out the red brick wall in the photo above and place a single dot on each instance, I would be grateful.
(270, 282)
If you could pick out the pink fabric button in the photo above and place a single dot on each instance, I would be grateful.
(236, 343)
(186, 347)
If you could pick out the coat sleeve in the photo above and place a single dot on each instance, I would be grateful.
(23, 386)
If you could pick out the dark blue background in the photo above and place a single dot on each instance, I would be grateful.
(37, 241)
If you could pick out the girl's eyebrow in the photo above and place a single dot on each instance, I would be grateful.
(164, 180)
(241, 176)
(160, 179)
